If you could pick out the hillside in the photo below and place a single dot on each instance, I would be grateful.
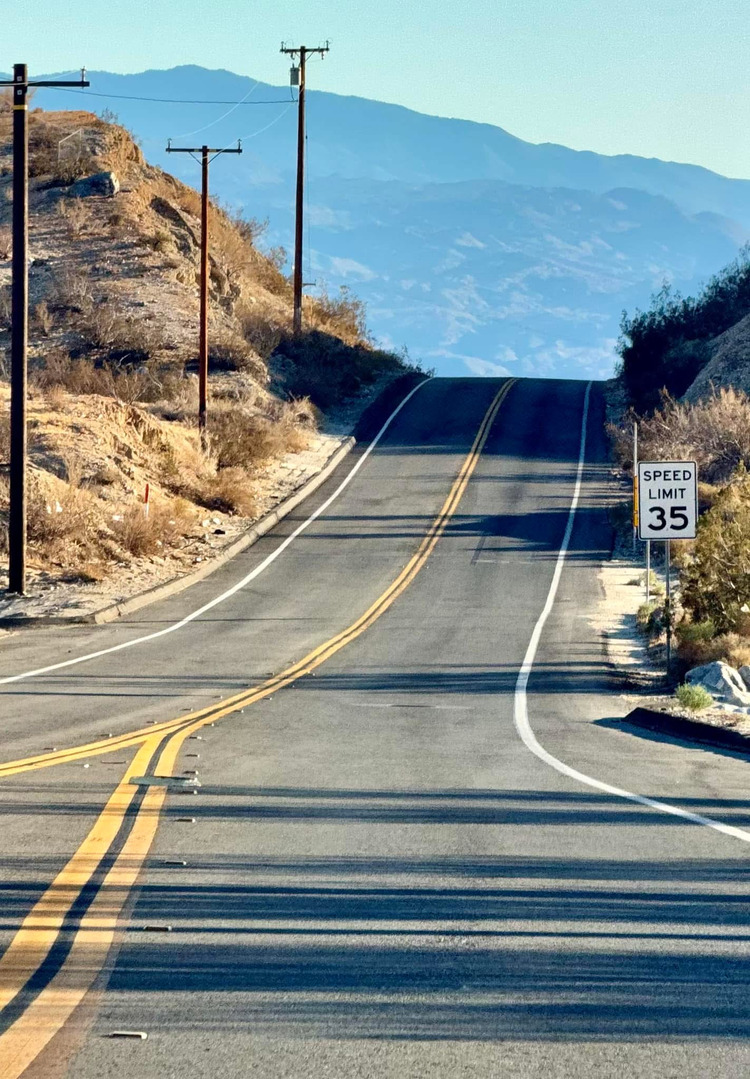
(112, 358)
(497, 255)
(689, 345)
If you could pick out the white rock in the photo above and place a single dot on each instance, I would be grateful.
(745, 674)
(722, 682)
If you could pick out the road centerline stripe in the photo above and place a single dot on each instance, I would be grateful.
(50, 1009)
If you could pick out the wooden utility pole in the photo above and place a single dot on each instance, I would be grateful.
(204, 151)
(20, 320)
(303, 52)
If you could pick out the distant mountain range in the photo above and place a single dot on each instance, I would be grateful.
(476, 250)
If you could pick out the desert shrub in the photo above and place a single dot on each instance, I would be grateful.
(714, 432)
(650, 618)
(63, 530)
(261, 333)
(130, 385)
(4, 436)
(694, 698)
(232, 491)
(6, 307)
(73, 291)
(143, 535)
(696, 631)
(62, 162)
(716, 577)
(229, 352)
(76, 215)
(159, 241)
(344, 315)
(326, 370)
(41, 318)
(103, 325)
(239, 439)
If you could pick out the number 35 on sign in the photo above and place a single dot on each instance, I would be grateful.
(666, 500)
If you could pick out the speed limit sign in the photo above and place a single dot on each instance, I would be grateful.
(667, 506)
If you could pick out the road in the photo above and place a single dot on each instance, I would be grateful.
(422, 844)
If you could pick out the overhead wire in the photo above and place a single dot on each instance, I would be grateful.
(171, 100)
(223, 116)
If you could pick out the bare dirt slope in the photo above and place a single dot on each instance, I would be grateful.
(729, 364)
(113, 341)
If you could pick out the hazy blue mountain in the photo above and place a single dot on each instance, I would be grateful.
(473, 248)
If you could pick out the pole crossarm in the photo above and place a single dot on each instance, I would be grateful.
(29, 84)
(299, 50)
(204, 149)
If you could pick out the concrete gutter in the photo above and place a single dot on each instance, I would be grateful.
(111, 611)
(690, 730)
(370, 420)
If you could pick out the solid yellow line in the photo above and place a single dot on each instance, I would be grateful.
(24, 1040)
(50, 1010)
(306, 664)
(41, 926)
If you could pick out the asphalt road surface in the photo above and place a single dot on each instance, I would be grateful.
(402, 859)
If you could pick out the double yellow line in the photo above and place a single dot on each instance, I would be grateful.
(41, 930)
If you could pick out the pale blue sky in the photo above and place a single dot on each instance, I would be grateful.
(661, 78)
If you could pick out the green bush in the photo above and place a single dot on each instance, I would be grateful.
(694, 698)
(716, 576)
(650, 618)
(666, 346)
(695, 631)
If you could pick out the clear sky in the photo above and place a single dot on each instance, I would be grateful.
(658, 78)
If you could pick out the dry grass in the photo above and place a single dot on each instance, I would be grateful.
(6, 243)
(714, 432)
(42, 320)
(229, 351)
(76, 215)
(232, 491)
(147, 383)
(60, 162)
(6, 307)
(260, 332)
(64, 529)
(343, 316)
(239, 439)
(142, 534)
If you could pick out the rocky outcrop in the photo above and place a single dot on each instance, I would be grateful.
(721, 681)
(104, 184)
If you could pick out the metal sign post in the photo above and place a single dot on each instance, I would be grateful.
(635, 471)
(667, 509)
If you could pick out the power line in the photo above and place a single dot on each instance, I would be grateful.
(180, 100)
(211, 123)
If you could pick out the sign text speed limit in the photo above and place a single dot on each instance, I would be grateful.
(667, 499)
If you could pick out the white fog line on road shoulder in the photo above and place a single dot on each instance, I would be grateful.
(235, 587)
(521, 713)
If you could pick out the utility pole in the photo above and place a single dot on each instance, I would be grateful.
(303, 52)
(20, 320)
(204, 151)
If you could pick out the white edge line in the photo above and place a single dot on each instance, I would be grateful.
(521, 713)
(240, 584)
